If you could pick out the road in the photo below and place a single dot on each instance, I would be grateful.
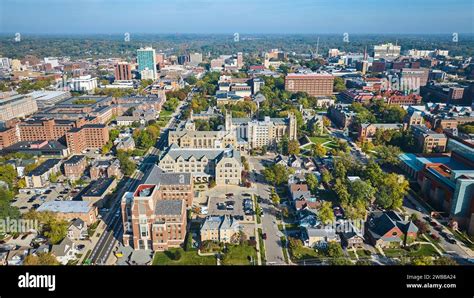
(456, 251)
(273, 246)
(113, 219)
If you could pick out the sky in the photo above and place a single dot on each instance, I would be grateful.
(242, 16)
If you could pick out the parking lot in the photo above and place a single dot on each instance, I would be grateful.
(32, 199)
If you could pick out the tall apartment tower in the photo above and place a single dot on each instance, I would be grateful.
(146, 59)
(240, 60)
(123, 71)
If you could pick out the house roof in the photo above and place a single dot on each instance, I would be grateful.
(382, 222)
(62, 248)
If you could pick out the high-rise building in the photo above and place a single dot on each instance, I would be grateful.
(414, 78)
(195, 58)
(123, 71)
(315, 84)
(146, 59)
(4, 63)
(387, 51)
(240, 60)
(183, 59)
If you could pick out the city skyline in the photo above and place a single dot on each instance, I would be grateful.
(244, 16)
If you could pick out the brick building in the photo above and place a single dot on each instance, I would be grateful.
(74, 167)
(153, 223)
(123, 71)
(315, 84)
(89, 136)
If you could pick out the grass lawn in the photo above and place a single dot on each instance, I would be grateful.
(187, 258)
(165, 113)
(351, 254)
(423, 250)
(319, 139)
(394, 252)
(302, 253)
(239, 255)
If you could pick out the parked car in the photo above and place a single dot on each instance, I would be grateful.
(450, 239)
(264, 236)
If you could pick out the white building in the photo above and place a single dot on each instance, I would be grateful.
(83, 83)
(4, 63)
(195, 58)
(387, 51)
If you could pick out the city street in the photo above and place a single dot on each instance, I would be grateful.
(273, 246)
(114, 228)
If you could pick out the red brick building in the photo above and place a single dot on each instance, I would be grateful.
(315, 84)
(8, 137)
(89, 136)
(74, 167)
(123, 71)
(153, 223)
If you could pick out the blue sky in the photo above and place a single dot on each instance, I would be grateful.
(244, 16)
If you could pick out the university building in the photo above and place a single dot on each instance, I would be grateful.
(252, 134)
(151, 222)
(222, 165)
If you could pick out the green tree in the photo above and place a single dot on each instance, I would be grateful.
(325, 213)
(127, 166)
(445, 261)
(326, 176)
(8, 174)
(422, 261)
(312, 182)
(388, 155)
(334, 250)
(293, 147)
(391, 191)
(42, 259)
(339, 84)
(318, 150)
(340, 170)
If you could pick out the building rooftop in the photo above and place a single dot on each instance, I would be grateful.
(169, 207)
(65, 207)
(158, 177)
(98, 187)
(74, 159)
(44, 167)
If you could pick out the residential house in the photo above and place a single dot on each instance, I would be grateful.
(387, 229)
(319, 237)
(77, 230)
(351, 236)
(65, 251)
